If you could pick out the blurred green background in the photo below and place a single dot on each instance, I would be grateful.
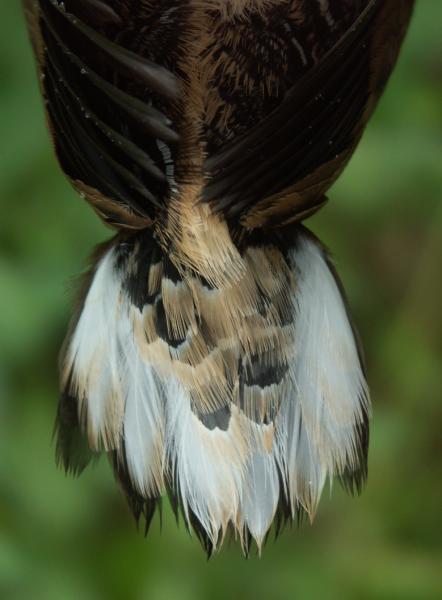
(62, 538)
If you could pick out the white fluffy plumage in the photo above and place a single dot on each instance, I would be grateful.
(227, 477)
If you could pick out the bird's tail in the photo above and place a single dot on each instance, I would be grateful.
(238, 395)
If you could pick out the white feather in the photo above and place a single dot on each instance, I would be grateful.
(120, 391)
(317, 429)
(94, 354)
(261, 494)
(143, 416)
(207, 466)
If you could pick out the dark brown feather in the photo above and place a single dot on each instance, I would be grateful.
(277, 101)
(319, 123)
(101, 100)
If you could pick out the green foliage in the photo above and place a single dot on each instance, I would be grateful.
(63, 539)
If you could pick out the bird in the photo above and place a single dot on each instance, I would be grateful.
(211, 355)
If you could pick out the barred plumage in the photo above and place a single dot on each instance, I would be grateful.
(212, 356)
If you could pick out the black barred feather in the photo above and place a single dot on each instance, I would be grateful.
(212, 355)
(142, 508)
(73, 453)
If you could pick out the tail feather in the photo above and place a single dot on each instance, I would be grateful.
(288, 404)
(92, 364)
(260, 496)
(143, 422)
(207, 465)
(327, 375)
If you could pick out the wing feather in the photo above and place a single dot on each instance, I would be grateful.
(305, 143)
(106, 107)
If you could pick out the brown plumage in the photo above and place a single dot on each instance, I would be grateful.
(212, 355)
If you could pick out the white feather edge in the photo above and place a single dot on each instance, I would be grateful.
(94, 356)
(315, 433)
